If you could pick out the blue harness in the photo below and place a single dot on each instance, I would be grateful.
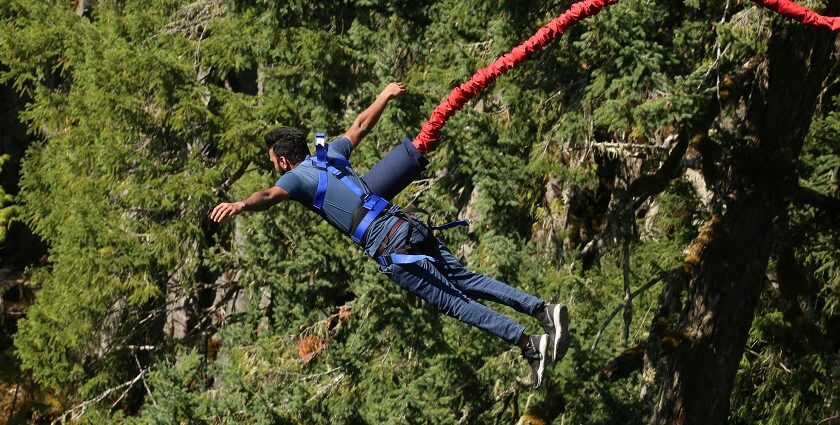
(373, 205)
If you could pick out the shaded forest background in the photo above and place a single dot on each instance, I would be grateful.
(668, 169)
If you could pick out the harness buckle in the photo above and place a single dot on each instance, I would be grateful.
(320, 139)
(371, 201)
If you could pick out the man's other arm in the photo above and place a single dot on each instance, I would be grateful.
(258, 201)
(368, 118)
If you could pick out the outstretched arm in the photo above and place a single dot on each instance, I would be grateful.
(368, 118)
(259, 201)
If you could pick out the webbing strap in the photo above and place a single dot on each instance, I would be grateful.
(387, 260)
(320, 162)
(374, 205)
(344, 177)
(461, 222)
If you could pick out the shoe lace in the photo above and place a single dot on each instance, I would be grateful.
(531, 354)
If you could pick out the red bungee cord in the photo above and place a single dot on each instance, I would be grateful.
(581, 10)
(486, 76)
(800, 13)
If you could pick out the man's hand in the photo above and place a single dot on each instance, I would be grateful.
(258, 201)
(393, 90)
(226, 210)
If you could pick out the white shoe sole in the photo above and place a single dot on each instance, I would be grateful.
(543, 351)
(560, 319)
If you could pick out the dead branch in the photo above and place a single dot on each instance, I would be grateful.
(145, 384)
(506, 397)
(621, 306)
(223, 188)
(323, 389)
(192, 19)
(624, 364)
(77, 411)
(649, 185)
(628, 296)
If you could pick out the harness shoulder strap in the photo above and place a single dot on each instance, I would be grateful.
(320, 161)
(372, 203)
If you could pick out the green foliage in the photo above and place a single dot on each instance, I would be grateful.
(817, 232)
(783, 382)
(146, 109)
(8, 210)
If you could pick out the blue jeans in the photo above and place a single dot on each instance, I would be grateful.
(453, 289)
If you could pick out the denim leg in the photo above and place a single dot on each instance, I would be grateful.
(479, 286)
(425, 281)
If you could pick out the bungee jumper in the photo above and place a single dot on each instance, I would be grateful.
(404, 247)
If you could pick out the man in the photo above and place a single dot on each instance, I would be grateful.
(403, 246)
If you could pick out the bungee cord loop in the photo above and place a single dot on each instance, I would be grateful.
(484, 77)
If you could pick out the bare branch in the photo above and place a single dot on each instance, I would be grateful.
(506, 397)
(77, 411)
(192, 19)
(323, 389)
(619, 307)
(145, 384)
(650, 185)
(831, 418)
(222, 190)
(628, 296)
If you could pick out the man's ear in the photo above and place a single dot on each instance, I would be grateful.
(284, 163)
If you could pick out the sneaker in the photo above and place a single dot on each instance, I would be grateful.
(536, 355)
(555, 320)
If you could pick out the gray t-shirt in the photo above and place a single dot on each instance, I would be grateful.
(339, 201)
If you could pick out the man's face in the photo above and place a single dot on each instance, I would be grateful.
(274, 160)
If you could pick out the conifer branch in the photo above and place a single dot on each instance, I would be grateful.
(822, 202)
(647, 186)
(77, 411)
(469, 416)
(791, 282)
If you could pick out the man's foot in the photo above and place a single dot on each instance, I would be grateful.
(555, 320)
(535, 355)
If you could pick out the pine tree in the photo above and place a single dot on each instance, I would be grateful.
(632, 169)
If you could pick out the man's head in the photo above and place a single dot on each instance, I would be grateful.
(286, 148)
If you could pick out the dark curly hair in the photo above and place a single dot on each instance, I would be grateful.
(287, 142)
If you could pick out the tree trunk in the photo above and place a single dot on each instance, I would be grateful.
(699, 376)
(697, 379)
